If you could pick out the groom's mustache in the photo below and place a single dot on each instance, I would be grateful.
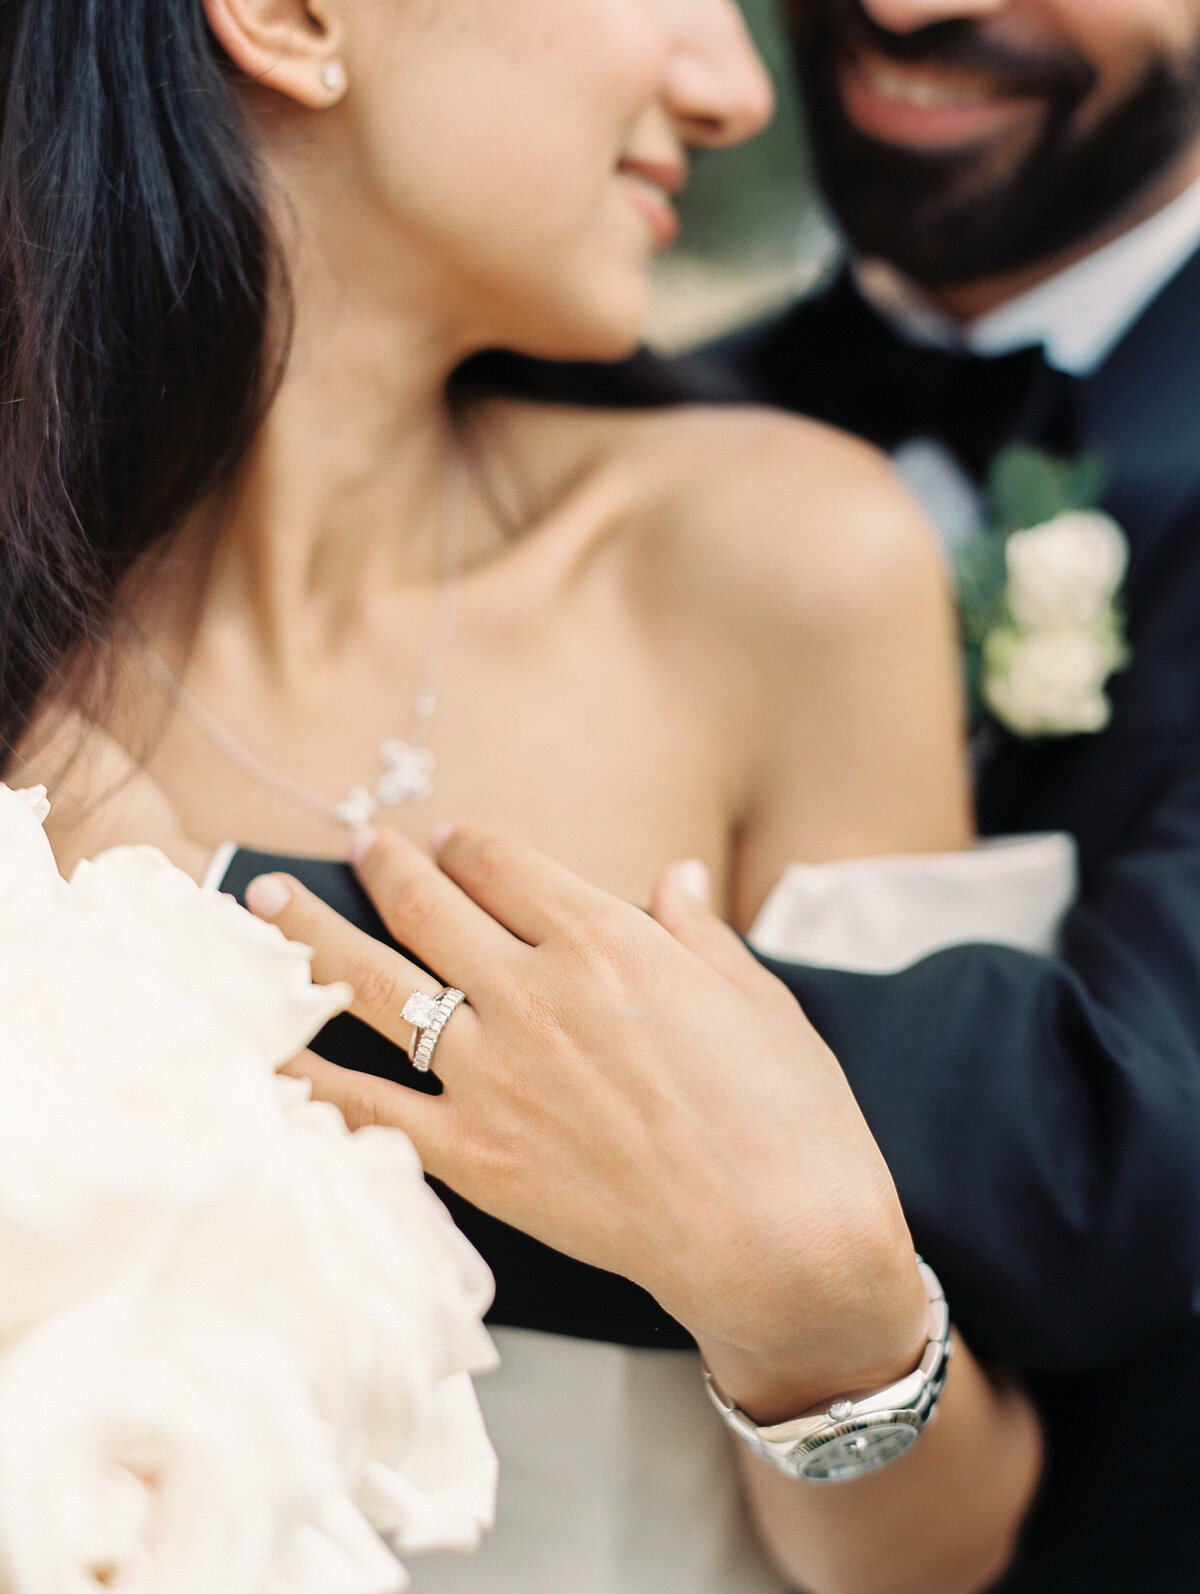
(962, 44)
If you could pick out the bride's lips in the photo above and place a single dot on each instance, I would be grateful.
(651, 185)
(927, 107)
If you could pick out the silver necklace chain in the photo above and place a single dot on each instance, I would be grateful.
(407, 773)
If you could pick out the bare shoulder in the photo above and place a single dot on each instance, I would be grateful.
(800, 520)
(791, 595)
(719, 468)
(99, 796)
(756, 514)
(741, 521)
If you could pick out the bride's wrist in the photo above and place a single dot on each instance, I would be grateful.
(852, 1342)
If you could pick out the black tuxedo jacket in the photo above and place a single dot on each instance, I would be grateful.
(1042, 1116)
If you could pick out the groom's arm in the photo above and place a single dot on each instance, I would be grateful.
(1041, 1117)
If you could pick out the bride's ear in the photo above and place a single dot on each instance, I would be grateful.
(292, 46)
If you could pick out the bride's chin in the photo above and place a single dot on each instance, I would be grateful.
(608, 323)
(616, 346)
(598, 340)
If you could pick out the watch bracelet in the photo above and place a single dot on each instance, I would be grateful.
(909, 1402)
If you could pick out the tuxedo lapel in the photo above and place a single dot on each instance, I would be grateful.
(1141, 414)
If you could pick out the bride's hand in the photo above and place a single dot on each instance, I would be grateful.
(665, 1113)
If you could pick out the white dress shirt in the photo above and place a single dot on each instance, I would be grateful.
(878, 915)
(1078, 316)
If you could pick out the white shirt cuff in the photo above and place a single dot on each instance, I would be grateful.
(879, 915)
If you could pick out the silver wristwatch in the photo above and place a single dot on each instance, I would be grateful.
(851, 1437)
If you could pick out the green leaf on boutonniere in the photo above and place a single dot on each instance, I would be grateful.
(982, 575)
(1026, 486)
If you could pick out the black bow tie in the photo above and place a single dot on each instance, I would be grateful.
(848, 365)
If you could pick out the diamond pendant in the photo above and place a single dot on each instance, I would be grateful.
(407, 778)
(407, 773)
(358, 809)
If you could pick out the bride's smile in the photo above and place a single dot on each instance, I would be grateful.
(498, 172)
(653, 184)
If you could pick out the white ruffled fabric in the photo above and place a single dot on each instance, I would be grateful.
(235, 1339)
(616, 1475)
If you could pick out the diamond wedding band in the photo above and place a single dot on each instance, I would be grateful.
(428, 1016)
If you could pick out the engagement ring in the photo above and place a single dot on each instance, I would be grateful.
(428, 1016)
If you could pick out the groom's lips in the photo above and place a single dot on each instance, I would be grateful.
(928, 107)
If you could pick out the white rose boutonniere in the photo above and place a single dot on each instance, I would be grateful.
(1051, 682)
(1040, 599)
(1066, 572)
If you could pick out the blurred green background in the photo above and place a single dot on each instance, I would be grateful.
(754, 235)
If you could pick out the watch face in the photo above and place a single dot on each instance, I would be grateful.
(858, 1450)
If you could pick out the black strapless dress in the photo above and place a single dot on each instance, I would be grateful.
(536, 1287)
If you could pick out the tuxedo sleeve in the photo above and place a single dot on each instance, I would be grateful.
(1041, 1114)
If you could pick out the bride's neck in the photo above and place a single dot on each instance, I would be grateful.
(340, 502)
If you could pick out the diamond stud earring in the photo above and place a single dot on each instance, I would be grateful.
(333, 76)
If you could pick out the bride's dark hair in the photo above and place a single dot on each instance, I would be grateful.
(136, 264)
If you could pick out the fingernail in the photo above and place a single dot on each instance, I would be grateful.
(439, 836)
(361, 843)
(267, 896)
(694, 880)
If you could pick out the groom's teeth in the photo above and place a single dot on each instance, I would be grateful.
(912, 88)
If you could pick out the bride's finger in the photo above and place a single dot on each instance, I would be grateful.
(382, 979)
(362, 1099)
(680, 904)
(426, 912)
(527, 892)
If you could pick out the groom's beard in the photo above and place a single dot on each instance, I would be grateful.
(953, 217)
